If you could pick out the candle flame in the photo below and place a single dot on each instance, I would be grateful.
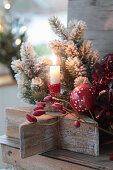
(54, 59)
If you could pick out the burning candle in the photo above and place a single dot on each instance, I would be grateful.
(54, 72)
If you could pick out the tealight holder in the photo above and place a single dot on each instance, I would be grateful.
(54, 89)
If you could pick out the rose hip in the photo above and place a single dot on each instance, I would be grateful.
(58, 106)
(39, 112)
(38, 107)
(31, 118)
(41, 104)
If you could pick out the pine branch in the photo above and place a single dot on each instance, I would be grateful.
(58, 28)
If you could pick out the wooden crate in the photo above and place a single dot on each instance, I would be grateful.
(35, 138)
(15, 116)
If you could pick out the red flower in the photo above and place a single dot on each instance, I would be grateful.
(39, 112)
(31, 118)
(77, 124)
(62, 111)
(48, 99)
(38, 107)
(111, 157)
(41, 104)
(58, 106)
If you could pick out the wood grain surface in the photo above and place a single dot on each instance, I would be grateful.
(11, 156)
(84, 139)
(15, 116)
(36, 137)
(58, 158)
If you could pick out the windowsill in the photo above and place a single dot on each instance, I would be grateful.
(7, 80)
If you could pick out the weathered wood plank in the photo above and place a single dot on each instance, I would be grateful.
(38, 162)
(101, 162)
(84, 139)
(17, 168)
(35, 138)
(98, 14)
(15, 116)
(13, 142)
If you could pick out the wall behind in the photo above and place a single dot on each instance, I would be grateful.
(98, 15)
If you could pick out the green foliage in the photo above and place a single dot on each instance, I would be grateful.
(11, 37)
(42, 49)
(8, 48)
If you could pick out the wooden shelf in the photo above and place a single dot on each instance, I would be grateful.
(58, 158)
(7, 80)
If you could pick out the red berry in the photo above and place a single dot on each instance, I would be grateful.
(111, 157)
(58, 106)
(77, 124)
(62, 111)
(48, 99)
(41, 104)
(38, 107)
(31, 118)
(39, 112)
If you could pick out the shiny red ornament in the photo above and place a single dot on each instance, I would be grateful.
(77, 124)
(82, 98)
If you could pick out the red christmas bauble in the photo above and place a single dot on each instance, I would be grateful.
(77, 124)
(82, 98)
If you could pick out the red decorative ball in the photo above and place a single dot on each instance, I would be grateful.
(82, 98)
(77, 124)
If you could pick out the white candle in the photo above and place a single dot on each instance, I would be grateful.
(54, 72)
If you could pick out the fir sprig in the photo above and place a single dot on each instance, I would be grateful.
(58, 28)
